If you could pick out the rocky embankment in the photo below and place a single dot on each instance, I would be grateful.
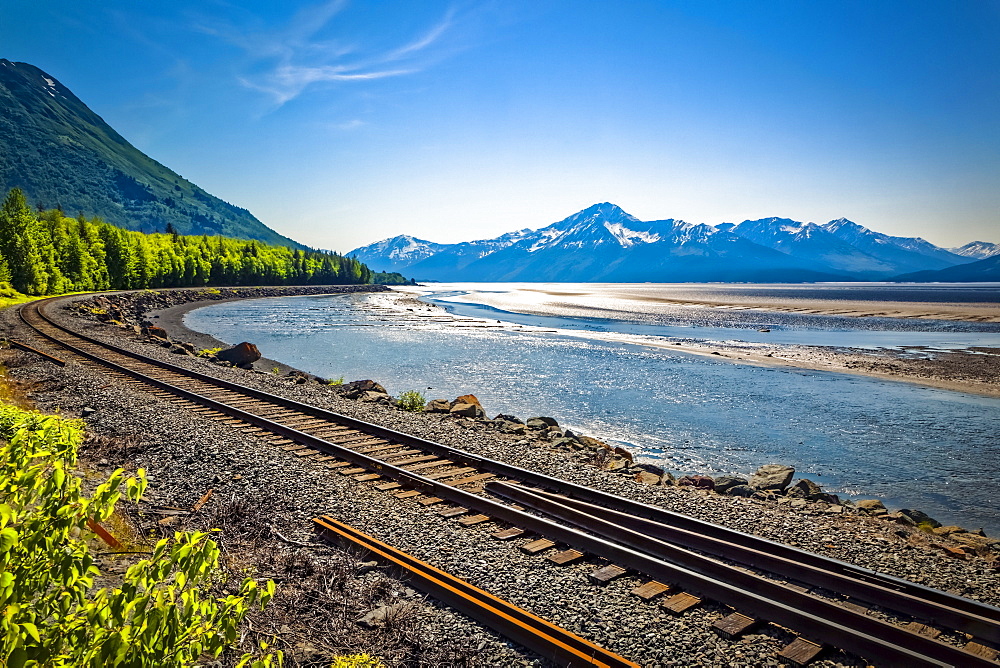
(266, 498)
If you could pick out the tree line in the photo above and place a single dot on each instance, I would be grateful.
(47, 253)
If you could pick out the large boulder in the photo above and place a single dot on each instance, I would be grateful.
(437, 406)
(154, 331)
(920, 517)
(467, 399)
(804, 489)
(541, 422)
(726, 482)
(357, 388)
(772, 477)
(697, 481)
(468, 410)
(871, 506)
(242, 354)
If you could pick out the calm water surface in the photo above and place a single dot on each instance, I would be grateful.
(912, 446)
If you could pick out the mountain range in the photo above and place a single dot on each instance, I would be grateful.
(63, 155)
(604, 243)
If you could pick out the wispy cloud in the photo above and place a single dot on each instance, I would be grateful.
(284, 62)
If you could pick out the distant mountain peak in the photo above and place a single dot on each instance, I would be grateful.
(979, 250)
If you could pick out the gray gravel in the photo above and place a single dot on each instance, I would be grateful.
(186, 455)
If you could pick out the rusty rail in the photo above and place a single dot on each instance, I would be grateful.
(25, 347)
(545, 639)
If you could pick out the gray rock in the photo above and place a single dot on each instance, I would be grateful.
(772, 477)
(919, 517)
(437, 406)
(745, 491)
(541, 422)
(726, 482)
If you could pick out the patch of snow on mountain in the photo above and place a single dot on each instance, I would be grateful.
(627, 237)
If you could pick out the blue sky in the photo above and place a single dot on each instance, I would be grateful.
(340, 123)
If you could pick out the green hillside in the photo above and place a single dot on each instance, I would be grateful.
(63, 155)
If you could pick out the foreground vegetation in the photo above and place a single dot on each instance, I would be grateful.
(47, 253)
(164, 612)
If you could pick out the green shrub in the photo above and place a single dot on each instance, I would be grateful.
(411, 400)
(163, 614)
(357, 661)
(335, 381)
(207, 352)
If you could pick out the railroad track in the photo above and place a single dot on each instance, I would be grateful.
(762, 580)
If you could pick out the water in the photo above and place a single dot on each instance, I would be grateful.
(909, 445)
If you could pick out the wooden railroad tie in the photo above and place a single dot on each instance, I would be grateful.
(800, 652)
(680, 603)
(507, 534)
(386, 486)
(603, 576)
(536, 546)
(566, 557)
(733, 626)
(651, 590)
(430, 501)
(368, 477)
(448, 474)
(473, 520)
(453, 512)
(409, 494)
(923, 629)
(352, 471)
(985, 651)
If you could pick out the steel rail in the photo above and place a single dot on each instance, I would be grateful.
(462, 497)
(717, 580)
(871, 592)
(544, 638)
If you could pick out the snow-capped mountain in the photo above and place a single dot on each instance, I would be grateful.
(604, 243)
(977, 250)
(396, 253)
(905, 253)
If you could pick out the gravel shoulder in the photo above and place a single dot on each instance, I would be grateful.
(187, 455)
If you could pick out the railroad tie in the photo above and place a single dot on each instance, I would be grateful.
(473, 520)
(536, 546)
(985, 651)
(734, 625)
(368, 477)
(507, 534)
(680, 603)
(566, 557)
(800, 652)
(453, 512)
(606, 574)
(408, 494)
(651, 590)
(430, 501)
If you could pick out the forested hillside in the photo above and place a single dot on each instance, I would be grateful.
(44, 253)
(63, 155)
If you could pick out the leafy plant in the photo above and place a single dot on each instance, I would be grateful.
(335, 381)
(357, 661)
(163, 614)
(411, 400)
(207, 352)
